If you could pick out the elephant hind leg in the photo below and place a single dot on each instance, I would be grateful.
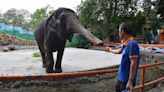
(42, 51)
(43, 57)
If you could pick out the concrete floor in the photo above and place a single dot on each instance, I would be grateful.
(21, 62)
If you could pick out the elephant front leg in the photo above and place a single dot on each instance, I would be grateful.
(58, 68)
(49, 62)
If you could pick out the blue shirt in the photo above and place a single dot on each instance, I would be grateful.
(124, 69)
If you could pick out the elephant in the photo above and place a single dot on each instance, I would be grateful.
(52, 34)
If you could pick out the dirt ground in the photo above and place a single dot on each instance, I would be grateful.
(98, 83)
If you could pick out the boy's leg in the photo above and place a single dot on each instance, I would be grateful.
(120, 86)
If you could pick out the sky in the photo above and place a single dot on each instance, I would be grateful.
(32, 5)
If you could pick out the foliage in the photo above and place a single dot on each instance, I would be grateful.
(103, 17)
(16, 17)
(160, 8)
(39, 15)
(24, 19)
(36, 54)
(151, 14)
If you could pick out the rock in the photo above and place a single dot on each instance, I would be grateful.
(12, 47)
(5, 49)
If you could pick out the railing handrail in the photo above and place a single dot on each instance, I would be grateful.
(60, 75)
(143, 67)
(150, 65)
(149, 83)
(72, 74)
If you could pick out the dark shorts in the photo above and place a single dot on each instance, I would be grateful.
(120, 86)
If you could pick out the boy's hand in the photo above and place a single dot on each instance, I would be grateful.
(107, 49)
(130, 85)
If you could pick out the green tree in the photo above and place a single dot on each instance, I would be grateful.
(150, 13)
(39, 15)
(23, 17)
(16, 17)
(1, 17)
(159, 6)
(9, 16)
(102, 17)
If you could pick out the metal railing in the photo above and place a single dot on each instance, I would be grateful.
(143, 84)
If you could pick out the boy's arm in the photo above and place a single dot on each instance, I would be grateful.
(133, 67)
(115, 51)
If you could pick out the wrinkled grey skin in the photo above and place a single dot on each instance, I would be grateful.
(52, 33)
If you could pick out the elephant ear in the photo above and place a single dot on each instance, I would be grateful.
(62, 26)
(65, 28)
(58, 24)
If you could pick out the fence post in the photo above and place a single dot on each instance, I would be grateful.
(143, 79)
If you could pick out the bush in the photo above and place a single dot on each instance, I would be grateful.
(36, 54)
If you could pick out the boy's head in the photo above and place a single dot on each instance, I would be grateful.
(125, 29)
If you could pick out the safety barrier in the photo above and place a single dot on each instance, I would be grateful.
(152, 45)
(87, 73)
(16, 31)
(147, 45)
(143, 67)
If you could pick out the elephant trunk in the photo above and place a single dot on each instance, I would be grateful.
(87, 34)
(76, 27)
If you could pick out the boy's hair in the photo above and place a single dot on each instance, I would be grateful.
(126, 27)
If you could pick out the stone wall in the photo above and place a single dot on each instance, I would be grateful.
(6, 39)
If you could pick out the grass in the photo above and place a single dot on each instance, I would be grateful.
(36, 54)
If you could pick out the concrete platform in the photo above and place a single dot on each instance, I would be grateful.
(21, 62)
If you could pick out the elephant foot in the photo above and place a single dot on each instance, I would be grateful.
(58, 71)
(44, 65)
(49, 71)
